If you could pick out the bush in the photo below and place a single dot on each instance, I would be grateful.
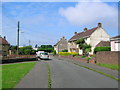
(87, 59)
(102, 49)
(54, 52)
(83, 56)
(68, 53)
(65, 50)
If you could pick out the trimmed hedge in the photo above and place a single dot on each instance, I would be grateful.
(68, 53)
(102, 49)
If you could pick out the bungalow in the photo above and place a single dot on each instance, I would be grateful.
(115, 43)
(61, 45)
(92, 37)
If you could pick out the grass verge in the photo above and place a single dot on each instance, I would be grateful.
(111, 66)
(98, 72)
(12, 73)
(49, 79)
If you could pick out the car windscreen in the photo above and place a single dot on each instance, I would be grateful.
(44, 53)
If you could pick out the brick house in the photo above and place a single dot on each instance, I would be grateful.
(92, 37)
(61, 45)
(4, 46)
(115, 43)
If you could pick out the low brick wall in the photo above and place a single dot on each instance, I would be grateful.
(18, 56)
(17, 60)
(107, 57)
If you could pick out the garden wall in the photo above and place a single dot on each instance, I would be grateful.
(107, 57)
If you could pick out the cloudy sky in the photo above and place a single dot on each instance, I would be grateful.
(47, 22)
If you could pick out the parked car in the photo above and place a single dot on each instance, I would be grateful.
(42, 55)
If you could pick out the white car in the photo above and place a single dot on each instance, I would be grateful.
(42, 55)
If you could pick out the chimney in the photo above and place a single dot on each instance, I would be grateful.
(5, 37)
(75, 32)
(85, 29)
(99, 25)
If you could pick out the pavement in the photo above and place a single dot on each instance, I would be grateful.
(36, 78)
(65, 74)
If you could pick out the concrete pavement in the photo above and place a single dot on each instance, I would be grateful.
(36, 78)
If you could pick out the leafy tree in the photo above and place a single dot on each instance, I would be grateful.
(84, 46)
(46, 48)
(25, 50)
(81, 42)
(36, 46)
(13, 47)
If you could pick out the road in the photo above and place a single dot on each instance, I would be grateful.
(66, 74)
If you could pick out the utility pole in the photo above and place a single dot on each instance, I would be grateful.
(29, 42)
(18, 38)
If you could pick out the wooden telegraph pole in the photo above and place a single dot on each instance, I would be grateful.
(18, 38)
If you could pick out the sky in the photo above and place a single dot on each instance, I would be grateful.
(46, 22)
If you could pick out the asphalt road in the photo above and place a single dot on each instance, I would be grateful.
(65, 74)
(68, 75)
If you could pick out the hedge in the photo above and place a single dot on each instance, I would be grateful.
(68, 53)
(102, 49)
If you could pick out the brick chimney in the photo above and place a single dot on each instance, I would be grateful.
(62, 38)
(99, 25)
(85, 29)
(5, 37)
(75, 33)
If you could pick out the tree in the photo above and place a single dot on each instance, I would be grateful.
(25, 50)
(87, 49)
(84, 46)
(46, 48)
(36, 46)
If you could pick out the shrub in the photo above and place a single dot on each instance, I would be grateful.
(83, 56)
(102, 49)
(87, 59)
(54, 52)
(65, 50)
(68, 53)
(93, 55)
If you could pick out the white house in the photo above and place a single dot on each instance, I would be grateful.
(92, 36)
(115, 43)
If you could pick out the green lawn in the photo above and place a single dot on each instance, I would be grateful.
(111, 66)
(13, 73)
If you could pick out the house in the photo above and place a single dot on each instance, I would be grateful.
(4, 46)
(92, 37)
(115, 43)
(103, 44)
(61, 45)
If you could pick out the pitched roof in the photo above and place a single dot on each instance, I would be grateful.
(63, 38)
(116, 37)
(56, 43)
(3, 41)
(83, 34)
(103, 44)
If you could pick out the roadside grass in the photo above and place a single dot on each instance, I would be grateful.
(49, 79)
(0, 77)
(111, 66)
(13, 73)
(98, 72)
